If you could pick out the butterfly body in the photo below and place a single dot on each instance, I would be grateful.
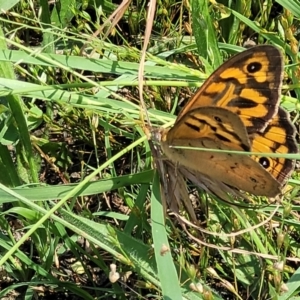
(237, 108)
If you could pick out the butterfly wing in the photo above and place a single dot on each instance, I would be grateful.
(237, 108)
(278, 137)
(218, 128)
(215, 123)
(249, 84)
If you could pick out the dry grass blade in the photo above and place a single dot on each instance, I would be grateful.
(109, 24)
(150, 18)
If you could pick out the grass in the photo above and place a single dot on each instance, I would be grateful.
(78, 191)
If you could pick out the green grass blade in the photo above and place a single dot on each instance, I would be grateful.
(166, 269)
(292, 5)
(204, 32)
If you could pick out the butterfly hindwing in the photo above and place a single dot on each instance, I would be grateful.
(278, 137)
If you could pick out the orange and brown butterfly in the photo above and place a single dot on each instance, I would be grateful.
(237, 108)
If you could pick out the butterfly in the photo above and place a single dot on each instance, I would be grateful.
(237, 108)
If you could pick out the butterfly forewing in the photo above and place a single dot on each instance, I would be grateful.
(215, 123)
(239, 171)
(249, 84)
